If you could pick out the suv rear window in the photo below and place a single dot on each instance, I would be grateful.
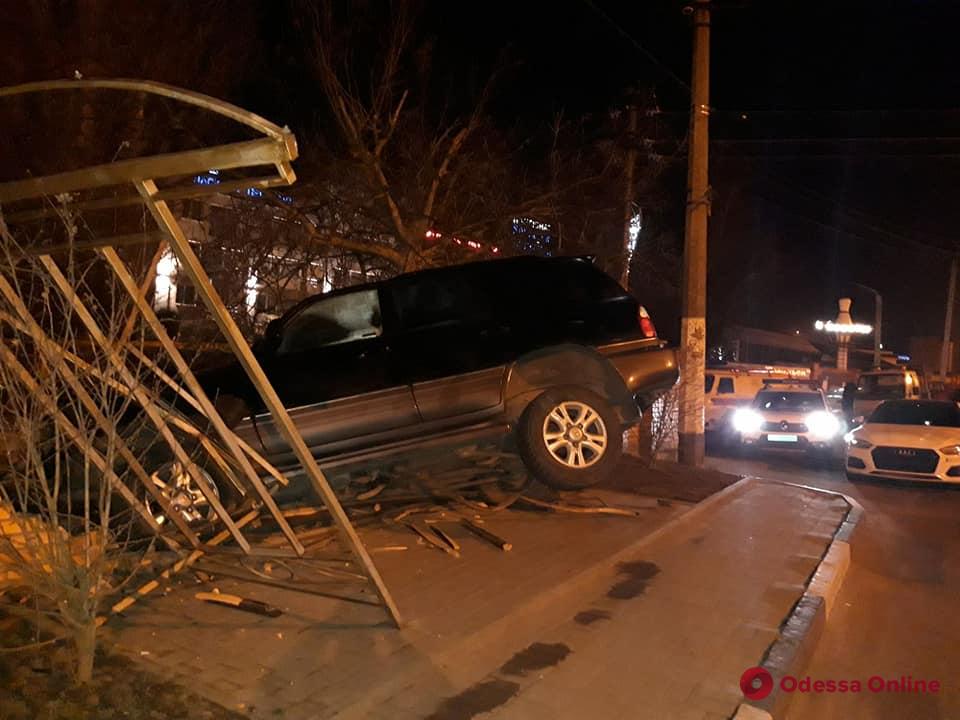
(440, 298)
(725, 385)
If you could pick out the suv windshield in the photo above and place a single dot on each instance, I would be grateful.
(936, 414)
(792, 401)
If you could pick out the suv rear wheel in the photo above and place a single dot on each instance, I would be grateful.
(570, 438)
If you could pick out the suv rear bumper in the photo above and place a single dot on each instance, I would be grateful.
(647, 367)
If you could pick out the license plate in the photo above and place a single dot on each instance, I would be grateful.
(777, 437)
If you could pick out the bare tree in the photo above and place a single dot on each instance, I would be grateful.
(82, 495)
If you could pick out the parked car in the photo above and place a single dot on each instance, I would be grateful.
(789, 416)
(875, 386)
(549, 356)
(907, 440)
(730, 387)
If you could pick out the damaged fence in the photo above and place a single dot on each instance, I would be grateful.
(151, 183)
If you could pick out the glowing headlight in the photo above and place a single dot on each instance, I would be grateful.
(851, 439)
(822, 424)
(747, 421)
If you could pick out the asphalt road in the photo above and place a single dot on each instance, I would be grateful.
(898, 612)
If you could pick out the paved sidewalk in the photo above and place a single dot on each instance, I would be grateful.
(584, 618)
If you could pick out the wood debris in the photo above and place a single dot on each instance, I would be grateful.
(485, 534)
(241, 603)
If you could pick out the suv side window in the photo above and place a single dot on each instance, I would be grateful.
(725, 385)
(708, 383)
(439, 299)
(332, 321)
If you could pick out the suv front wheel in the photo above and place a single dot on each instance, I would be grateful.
(570, 438)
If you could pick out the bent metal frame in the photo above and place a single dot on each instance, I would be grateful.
(276, 149)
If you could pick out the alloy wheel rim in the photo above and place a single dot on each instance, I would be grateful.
(183, 494)
(575, 435)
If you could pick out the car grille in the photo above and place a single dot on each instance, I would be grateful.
(905, 459)
(784, 426)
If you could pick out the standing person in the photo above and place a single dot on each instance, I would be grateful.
(846, 402)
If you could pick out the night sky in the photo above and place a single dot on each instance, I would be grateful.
(836, 125)
(835, 153)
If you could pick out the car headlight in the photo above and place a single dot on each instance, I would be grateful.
(823, 424)
(746, 420)
(858, 442)
(951, 450)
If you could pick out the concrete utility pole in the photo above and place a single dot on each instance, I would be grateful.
(945, 354)
(693, 323)
(630, 164)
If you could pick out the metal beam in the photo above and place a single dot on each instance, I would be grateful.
(265, 151)
(228, 110)
(190, 264)
(198, 393)
(142, 398)
(174, 193)
(55, 354)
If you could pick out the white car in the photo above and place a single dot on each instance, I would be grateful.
(790, 417)
(907, 440)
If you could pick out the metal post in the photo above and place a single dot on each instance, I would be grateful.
(878, 323)
(693, 323)
(190, 264)
(945, 354)
(878, 331)
(631, 162)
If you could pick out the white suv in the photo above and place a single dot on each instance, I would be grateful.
(788, 417)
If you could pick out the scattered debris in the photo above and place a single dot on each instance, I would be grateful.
(241, 603)
(373, 492)
(430, 539)
(389, 548)
(454, 545)
(486, 535)
(584, 509)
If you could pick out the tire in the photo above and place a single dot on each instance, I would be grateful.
(574, 463)
(159, 463)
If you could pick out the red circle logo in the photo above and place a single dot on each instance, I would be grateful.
(756, 683)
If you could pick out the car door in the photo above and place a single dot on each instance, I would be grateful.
(448, 343)
(332, 366)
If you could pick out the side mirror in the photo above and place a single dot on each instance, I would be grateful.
(858, 420)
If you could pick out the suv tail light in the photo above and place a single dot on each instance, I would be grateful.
(646, 324)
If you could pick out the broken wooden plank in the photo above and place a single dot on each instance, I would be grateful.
(584, 510)
(241, 603)
(446, 538)
(485, 534)
(183, 562)
(372, 492)
(430, 539)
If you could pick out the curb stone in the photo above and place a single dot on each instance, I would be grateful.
(800, 633)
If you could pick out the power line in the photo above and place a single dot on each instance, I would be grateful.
(836, 228)
(851, 212)
(636, 44)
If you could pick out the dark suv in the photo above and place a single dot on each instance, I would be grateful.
(548, 354)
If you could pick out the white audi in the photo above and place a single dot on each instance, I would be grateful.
(907, 440)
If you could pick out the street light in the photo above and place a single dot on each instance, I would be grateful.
(877, 323)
